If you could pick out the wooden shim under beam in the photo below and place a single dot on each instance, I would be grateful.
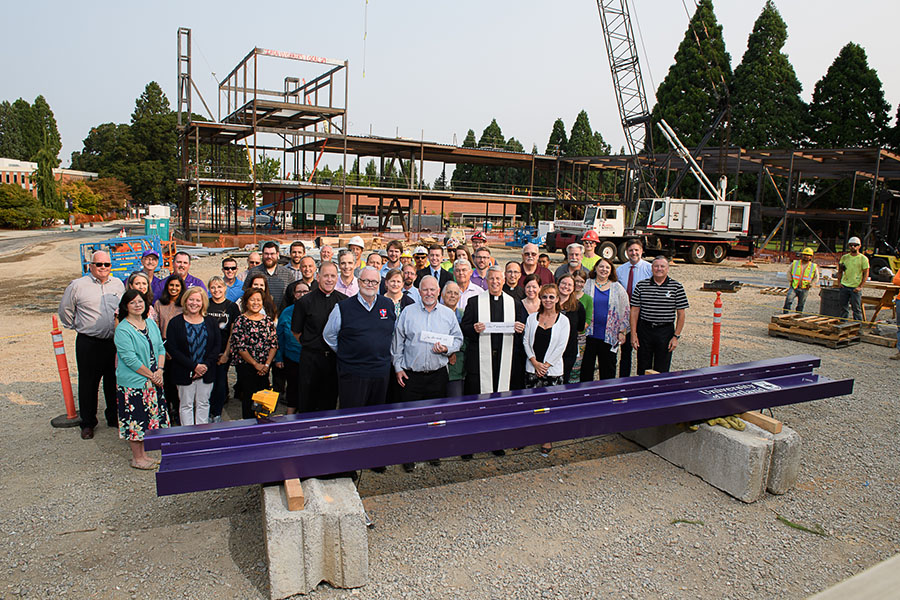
(294, 492)
(762, 421)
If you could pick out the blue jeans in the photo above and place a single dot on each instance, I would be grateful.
(849, 296)
(797, 293)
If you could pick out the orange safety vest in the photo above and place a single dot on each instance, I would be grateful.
(802, 276)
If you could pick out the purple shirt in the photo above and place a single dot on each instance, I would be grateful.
(477, 280)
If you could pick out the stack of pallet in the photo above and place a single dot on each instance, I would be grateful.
(774, 291)
(813, 329)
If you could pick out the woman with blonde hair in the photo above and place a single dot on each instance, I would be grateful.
(193, 342)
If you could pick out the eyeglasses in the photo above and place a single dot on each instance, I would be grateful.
(229, 268)
(102, 265)
(253, 263)
(851, 245)
(369, 281)
(529, 254)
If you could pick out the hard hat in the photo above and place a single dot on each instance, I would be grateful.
(854, 240)
(356, 241)
(478, 236)
(807, 252)
(406, 254)
(451, 243)
(590, 236)
(420, 250)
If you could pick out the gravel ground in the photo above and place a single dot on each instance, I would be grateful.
(593, 520)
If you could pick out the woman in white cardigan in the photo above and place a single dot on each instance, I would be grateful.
(545, 339)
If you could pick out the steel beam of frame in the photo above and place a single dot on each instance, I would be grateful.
(246, 452)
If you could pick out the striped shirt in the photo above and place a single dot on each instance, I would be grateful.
(659, 302)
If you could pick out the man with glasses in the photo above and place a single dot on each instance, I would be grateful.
(234, 287)
(853, 271)
(89, 307)
(359, 330)
(530, 265)
(149, 265)
(253, 260)
(483, 261)
(462, 272)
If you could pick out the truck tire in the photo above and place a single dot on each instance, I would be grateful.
(623, 257)
(608, 251)
(717, 253)
(698, 253)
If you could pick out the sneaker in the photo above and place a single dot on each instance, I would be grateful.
(409, 467)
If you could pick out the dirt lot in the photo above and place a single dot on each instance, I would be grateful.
(593, 520)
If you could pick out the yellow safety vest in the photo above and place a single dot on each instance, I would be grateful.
(802, 277)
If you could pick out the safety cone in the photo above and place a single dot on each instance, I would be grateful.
(70, 418)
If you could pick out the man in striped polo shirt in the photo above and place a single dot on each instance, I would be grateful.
(656, 304)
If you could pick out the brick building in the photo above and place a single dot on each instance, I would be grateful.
(19, 172)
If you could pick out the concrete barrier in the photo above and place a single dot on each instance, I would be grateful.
(743, 464)
(326, 541)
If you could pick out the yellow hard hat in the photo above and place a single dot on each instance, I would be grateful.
(807, 252)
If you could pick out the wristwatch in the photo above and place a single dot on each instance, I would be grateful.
(676, 336)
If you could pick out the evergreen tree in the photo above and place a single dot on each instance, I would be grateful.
(583, 141)
(894, 134)
(558, 141)
(848, 107)
(690, 96)
(151, 102)
(462, 174)
(371, 176)
(767, 111)
(44, 179)
(43, 119)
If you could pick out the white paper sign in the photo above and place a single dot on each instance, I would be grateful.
(430, 337)
(499, 327)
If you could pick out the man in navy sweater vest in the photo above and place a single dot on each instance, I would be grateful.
(360, 330)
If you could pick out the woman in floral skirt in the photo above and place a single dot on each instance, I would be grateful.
(139, 376)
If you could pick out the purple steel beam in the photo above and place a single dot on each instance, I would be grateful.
(262, 460)
(290, 427)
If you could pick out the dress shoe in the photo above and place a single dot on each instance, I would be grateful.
(87, 433)
(467, 456)
(498, 452)
(379, 469)
(409, 467)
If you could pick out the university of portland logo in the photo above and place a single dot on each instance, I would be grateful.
(383, 313)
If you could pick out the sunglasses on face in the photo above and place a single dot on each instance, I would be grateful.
(102, 264)
(229, 268)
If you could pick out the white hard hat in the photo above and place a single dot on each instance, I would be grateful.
(356, 241)
(420, 250)
(854, 240)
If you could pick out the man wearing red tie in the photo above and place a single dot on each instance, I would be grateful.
(628, 274)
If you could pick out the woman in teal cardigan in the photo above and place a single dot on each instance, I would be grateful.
(139, 376)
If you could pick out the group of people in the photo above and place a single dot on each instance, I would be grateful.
(437, 322)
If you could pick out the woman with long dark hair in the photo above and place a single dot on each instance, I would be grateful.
(574, 311)
(169, 305)
(287, 357)
(254, 342)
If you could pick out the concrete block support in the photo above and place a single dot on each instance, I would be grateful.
(326, 541)
(785, 467)
(736, 462)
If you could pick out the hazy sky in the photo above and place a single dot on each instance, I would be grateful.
(438, 68)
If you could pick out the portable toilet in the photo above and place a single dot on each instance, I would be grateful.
(157, 226)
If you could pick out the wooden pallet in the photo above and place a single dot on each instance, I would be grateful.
(791, 334)
(879, 340)
(774, 291)
(828, 326)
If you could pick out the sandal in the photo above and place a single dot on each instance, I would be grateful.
(148, 466)
(545, 451)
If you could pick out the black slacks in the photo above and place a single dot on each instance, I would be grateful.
(425, 386)
(96, 360)
(653, 352)
(597, 352)
(355, 391)
(249, 382)
(625, 357)
(318, 380)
